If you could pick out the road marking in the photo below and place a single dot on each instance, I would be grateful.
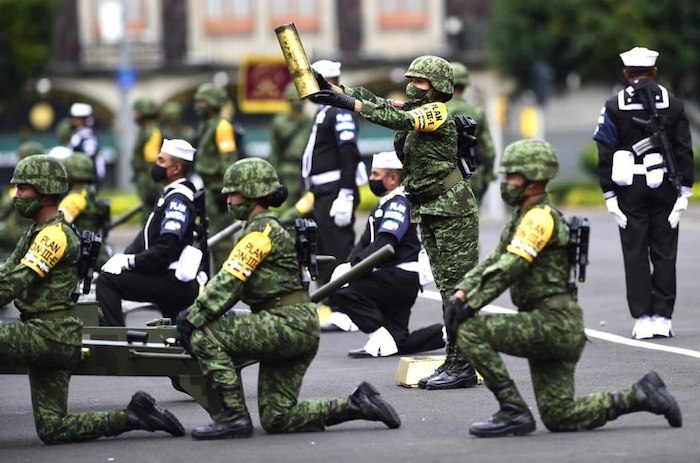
(490, 308)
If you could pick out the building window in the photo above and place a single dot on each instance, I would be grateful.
(135, 15)
(305, 14)
(403, 14)
(227, 17)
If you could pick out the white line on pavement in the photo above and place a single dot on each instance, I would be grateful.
(435, 296)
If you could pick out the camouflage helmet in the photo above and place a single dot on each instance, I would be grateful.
(461, 74)
(214, 96)
(146, 107)
(46, 174)
(29, 148)
(534, 159)
(251, 177)
(435, 70)
(79, 167)
(171, 109)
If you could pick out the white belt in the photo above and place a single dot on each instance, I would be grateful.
(325, 177)
(409, 266)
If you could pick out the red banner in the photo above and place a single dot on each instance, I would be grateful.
(261, 84)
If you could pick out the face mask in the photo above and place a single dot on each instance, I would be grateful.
(158, 173)
(200, 111)
(377, 187)
(239, 211)
(26, 207)
(415, 95)
(513, 195)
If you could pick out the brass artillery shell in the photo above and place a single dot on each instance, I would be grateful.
(297, 62)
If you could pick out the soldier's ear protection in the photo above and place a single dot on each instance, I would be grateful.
(276, 198)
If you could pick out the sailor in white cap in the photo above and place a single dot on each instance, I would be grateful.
(646, 184)
(161, 265)
(379, 303)
(329, 166)
(83, 138)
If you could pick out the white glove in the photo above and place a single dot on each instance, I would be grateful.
(678, 208)
(117, 263)
(340, 270)
(614, 209)
(341, 209)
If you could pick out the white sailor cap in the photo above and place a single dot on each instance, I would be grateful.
(80, 110)
(639, 57)
(386, 160)
(327, 68)
(179, 149)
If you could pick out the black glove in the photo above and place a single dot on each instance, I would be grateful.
(331, 98)
(456, 313)
(184, 331)
(323, 84)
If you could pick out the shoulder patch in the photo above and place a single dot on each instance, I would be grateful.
(248, 254)
(47, 250)
(152, 147)
(533, 233)
(73, 205)
(429, 117)
(225, 143)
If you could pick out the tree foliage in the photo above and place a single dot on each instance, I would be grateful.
(586, 36)
(25, 42)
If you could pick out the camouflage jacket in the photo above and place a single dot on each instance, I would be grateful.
(216, 149)
(146, 149)
(458, 106)
(531, 258)
(430, 151)
(262, 265)
(288, 139)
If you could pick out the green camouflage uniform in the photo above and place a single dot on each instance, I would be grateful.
(12, 225)
(283, 335)
(288, 138)
(479, 181)
(82, 210)
(146, 149)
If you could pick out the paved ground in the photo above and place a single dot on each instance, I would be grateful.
(434, 422)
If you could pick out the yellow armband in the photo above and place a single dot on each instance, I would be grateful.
(305, 204)
(248, 254)
(73, 205)
(429, 117)
(225, 143)
(152, 147)
(533, 233)
(46, 250)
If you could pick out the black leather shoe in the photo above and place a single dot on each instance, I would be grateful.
(142, 413)
(650, 394)
(457, 375)
(359, 354)
(226, 425)
(510, 419)
(424, 381)
(366, 404)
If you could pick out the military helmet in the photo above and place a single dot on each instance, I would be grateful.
(435, 70)
(251, 177)
(79, 166)
(146, 107)
(29, 148)
(461, 74)
(46, 174)
(534, 159)
(171, 109)
(214, 96)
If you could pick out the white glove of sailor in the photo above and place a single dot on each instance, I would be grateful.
(614, 210)
(341, 270)
(341, 208)
(678, 208)
(117, 263)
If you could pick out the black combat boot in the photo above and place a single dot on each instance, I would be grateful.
(511, 418)
(365, 404)
(142, 413)
(650, 395)
(457, 374)
(227, 424)
(450, 350)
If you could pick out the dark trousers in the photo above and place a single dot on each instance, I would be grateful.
(384, 298)
(649, 247)
(331, 239)
(162, 289)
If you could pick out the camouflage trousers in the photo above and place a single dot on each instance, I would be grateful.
(50, 364)
(552, 340)
(285, 340)
(452, 244)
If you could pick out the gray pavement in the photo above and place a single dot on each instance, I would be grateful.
(434, 422)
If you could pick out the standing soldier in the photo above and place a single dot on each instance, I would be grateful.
(83, 138)
(216, 150)
(532, 259)
(289, 135)
(171, 123)
(40, 276)
(263, 271)
(459, 106)
(146, 148)
(441, 200)
(642, 191)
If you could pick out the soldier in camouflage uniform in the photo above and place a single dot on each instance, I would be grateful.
(282, 332)
(531, 258)
(288, 137)
(216, 150)
(442, 202)
(146, 148)
(459, 106)
(80, 205)
(171, 123)
(39, 277)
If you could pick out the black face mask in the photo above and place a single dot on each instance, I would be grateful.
(377, 187)
(158, 173)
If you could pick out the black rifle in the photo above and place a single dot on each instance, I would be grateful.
(658, 139)
(90, 245)
(579, 237)
(466, 145)
(306, 250)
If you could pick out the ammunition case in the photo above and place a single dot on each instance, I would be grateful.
(297, 62)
